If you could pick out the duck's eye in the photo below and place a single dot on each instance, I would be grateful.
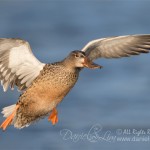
(76, 55)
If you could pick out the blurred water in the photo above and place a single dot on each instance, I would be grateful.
(116, 97)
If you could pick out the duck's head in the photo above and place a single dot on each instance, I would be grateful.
(79, 59)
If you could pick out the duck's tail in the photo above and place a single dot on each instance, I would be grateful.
(8, 110)
(9, 113)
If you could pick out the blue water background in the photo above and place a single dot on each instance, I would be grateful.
(116, 97)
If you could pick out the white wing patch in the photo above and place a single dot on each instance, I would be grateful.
(18, 65)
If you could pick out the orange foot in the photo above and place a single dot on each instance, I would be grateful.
(9, 119)
(53, 116)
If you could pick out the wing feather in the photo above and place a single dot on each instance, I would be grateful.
(18, 65)
(116, 47)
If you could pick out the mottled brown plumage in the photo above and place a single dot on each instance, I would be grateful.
(49, 88)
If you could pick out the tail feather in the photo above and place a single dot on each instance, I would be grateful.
(8, 110)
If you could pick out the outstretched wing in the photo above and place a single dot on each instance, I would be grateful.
(18, 65)
(116, 47)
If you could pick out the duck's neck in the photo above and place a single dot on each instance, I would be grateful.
(70, 65)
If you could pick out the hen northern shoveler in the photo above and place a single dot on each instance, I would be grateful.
(44, 86)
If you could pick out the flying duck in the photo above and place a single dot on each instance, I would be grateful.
(43, 86)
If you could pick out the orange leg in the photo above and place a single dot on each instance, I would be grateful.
(53, 116)
(9, 119)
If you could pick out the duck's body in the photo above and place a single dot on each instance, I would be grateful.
(48, 89)
(44, 86)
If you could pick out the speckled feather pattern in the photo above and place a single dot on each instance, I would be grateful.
(48, 89)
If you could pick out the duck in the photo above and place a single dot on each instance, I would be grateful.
(44, 86)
